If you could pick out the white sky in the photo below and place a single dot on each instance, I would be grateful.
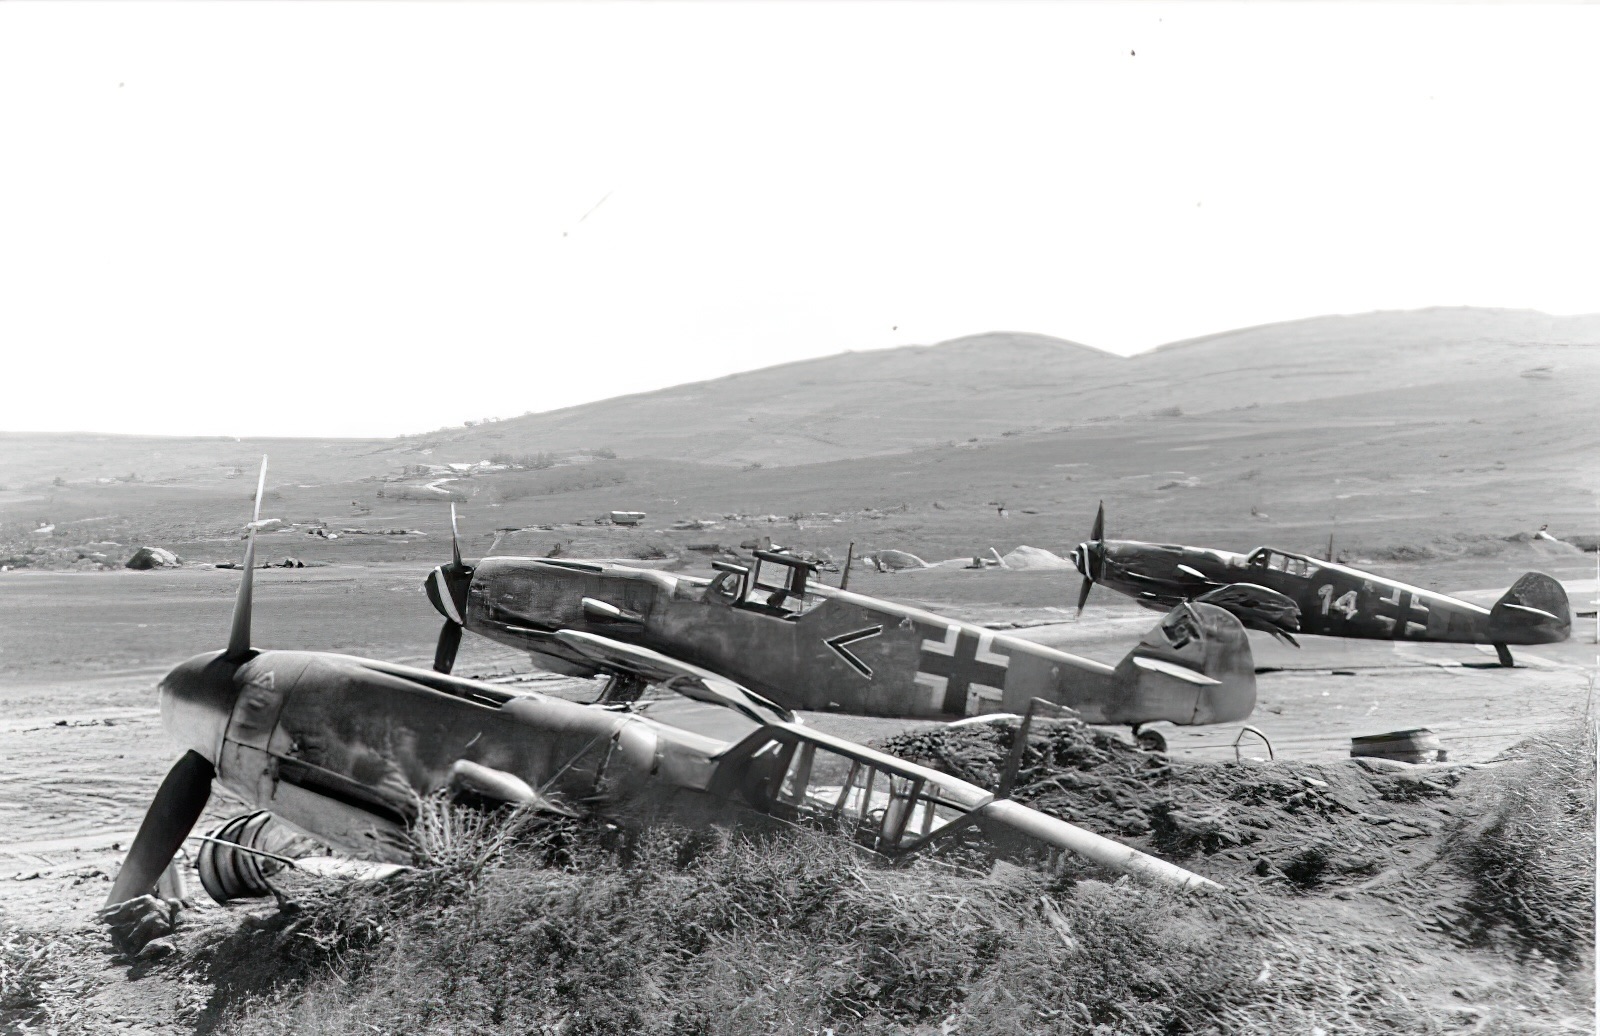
(367, 219)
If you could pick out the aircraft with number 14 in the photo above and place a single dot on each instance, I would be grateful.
(1285, 593)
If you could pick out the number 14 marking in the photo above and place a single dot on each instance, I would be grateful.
(1346, 604)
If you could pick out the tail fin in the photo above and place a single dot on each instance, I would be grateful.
(1194, 667)
(1533, 611)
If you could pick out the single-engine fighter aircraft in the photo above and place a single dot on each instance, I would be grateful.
(772, 627)
(343, 750)
(1283, 592)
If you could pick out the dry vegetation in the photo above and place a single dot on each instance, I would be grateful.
(513, 925)
(25, 966)
(676, 933)
(1530, 852)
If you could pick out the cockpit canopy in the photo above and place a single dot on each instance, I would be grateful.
(775, 585)
(1281, 561)
(805, 777)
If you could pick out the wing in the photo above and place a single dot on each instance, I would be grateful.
(1258, 608)
(613, 656)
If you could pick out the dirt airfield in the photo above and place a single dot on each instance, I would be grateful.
(83, 751)
(1431, 445)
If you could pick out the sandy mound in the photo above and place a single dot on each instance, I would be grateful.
(1026, 557)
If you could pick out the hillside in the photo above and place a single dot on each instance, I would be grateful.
(1448, 427)
(860, 404)
(894, 400)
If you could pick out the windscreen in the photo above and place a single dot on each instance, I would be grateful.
(885, 809)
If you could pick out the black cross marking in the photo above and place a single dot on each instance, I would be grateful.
(841, 647)
(960, 670)
(1401, 623)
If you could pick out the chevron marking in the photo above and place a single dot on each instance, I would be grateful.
(841, 647)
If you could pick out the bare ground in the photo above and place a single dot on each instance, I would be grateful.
(81, 750)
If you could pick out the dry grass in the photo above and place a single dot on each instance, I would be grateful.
(592, 931)
(26, 965)
(1530, 854)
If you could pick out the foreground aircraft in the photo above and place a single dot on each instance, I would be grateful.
(1307, 595)
(772, 627)
(344, 749)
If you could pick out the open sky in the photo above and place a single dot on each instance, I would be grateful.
(368, 219)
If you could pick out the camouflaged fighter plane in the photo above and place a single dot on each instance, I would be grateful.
(1283, 593)
(774, 628)
(343, 750)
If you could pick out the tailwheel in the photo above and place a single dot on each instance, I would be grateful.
(1149, 739)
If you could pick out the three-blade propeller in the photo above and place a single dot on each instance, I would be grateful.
(447, 588)
(183, 794)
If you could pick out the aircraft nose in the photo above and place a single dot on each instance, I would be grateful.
(447, 591)
(438, 587)
(196, 700)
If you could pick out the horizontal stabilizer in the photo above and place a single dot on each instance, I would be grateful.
(1195, 666)
(1534, 611)
(1155, 665)
(1538, 612)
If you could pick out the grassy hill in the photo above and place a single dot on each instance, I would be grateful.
(1444, 430)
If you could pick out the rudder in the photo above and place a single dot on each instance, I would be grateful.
(1194, 667)
(1534, 611)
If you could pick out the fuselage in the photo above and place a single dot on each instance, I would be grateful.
(1334, 599)
(836, 650)
(344, 749)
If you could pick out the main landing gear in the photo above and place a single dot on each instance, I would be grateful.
(1148, 740)
(1504, 654)
(1152, 740)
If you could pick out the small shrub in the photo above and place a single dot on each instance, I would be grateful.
(26, 964)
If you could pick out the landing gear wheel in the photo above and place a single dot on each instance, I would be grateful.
(1149, 740)
(1504, 654)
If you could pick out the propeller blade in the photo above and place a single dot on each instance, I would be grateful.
(172, 815)
(261, 485)
(239, 632)
(455, 536)
(1099, 532)
(444, 655)
(1083, 595)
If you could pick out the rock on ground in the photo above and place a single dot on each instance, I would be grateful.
(153, 557)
